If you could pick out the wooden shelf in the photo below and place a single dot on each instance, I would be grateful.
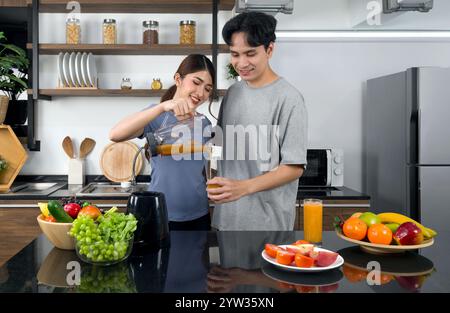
(128, 49)
(105, 92)
(15, 155)
(135, 6)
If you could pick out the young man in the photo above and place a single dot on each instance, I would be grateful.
(258, 193)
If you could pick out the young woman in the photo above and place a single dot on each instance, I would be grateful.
(181, 180)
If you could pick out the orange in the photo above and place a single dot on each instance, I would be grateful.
(353, 275)
(385, 279)
(380, 233)
(354, 228)
(91, 210)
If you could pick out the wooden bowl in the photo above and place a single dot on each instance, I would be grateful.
(53, 271)
(57, 233)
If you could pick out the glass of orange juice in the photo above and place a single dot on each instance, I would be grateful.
(211, 165)
(312, 220)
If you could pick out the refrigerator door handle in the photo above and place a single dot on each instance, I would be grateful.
(419, 140)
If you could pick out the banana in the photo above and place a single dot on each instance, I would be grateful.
(400, 219)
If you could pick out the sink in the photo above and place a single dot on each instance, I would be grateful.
(31, 189)
(110, 189)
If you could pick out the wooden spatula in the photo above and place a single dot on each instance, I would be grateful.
(68, 146)
(87, 145)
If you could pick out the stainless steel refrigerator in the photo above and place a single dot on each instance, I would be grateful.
(407, 144)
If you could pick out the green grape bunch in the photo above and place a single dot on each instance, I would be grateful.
(95, 279)
(107, 238)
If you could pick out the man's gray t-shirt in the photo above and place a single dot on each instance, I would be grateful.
(277, 104)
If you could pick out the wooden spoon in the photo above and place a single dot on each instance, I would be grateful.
(87, 145)
(68, 146)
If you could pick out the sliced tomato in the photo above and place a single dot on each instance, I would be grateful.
(285, 257)
(271, 250)
(303, 260)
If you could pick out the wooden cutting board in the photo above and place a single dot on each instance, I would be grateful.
(116, 161)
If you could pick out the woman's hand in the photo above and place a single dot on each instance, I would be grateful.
(182, 108)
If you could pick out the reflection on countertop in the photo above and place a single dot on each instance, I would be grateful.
(199, 262)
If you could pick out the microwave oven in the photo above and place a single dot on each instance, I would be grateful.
(325, 168)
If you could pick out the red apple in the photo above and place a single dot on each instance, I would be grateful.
(325, 259)
(411, 283)
(408, 234)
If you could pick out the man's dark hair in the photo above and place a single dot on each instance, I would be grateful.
(259, 28)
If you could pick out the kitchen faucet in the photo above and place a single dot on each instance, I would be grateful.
(133, 176)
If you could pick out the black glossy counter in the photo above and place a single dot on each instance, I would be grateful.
(328, 193)
(199, 262)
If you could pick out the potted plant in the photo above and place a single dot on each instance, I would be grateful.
(232, 74)
(13, 81)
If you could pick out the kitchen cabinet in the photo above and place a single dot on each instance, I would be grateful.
(35, 48)
(332, 208)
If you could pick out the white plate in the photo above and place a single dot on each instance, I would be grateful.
(339, 261)
(61, 77)
(92, 69)
(66, 69)
(84, 69)
(78, 69)
(72, 64)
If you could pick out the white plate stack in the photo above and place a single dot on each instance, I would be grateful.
(77, 70)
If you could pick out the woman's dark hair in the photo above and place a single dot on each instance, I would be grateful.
(191, 64)
(259, 28)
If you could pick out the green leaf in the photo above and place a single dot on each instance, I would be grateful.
(13, 69)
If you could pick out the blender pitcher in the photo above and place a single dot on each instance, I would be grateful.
(176, 137)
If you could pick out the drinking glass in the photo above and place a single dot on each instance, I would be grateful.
(312, 220)
(211, 165)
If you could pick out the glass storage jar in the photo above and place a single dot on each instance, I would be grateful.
(150, 33)
(73, 31)
(187, 32)
(109, 31)
(126, 84)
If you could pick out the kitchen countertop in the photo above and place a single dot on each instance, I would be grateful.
(329, 193)
(41, 268)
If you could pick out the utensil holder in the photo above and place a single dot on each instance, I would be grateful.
(76, 172)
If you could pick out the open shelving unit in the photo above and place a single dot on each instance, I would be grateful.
(35, 48)
(47, 94)
(129, 49)
(136, 6)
